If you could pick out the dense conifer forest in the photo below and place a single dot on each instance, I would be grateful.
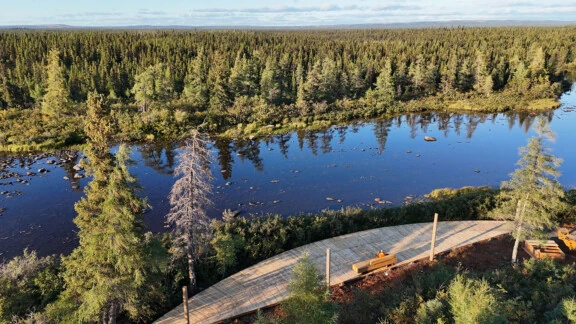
(60, 88)
(161, 83)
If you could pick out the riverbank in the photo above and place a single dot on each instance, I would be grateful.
(346, 111)
(28, 130)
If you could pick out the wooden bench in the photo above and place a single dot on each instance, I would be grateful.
(373, 264)
(540, 250)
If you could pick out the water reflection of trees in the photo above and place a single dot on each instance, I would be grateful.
(282, 141)
(224, 149)
(249, 150)
(159, 156)
(322, 141)
(381, 128)
(326, 137)
(468, 122)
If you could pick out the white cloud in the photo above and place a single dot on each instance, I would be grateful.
(312, 12)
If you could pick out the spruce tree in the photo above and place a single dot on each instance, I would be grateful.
(105, 273)
(155, 84)
(311, 91)
(218, 84)
(195, 91)
(483, 82)
(385, 91)
(418, 75)
(55, 101)
(520, 82)
(329, 81)
(533, 195)
(243, 77)
(269, 82)
(309, 299)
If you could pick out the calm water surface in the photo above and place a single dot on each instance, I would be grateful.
(296, 172)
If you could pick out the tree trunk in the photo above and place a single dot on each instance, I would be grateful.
(191, 273)
(112, 314)
(520, 218)
(517, 242)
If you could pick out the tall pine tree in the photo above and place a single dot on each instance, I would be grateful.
(530, 199)
(104, 275)
(55, 101)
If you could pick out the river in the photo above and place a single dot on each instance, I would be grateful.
(293, 173)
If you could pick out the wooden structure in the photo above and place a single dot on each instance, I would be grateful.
(568, 237)
(373, 264)
(540, 249)
(266, 283)
(433, 242)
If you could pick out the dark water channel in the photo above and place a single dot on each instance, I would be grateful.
(293, 173)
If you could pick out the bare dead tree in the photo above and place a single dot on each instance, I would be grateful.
(189, 199)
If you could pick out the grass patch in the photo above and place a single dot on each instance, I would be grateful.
(542, 104)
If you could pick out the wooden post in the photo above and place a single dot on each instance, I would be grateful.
(433, 237)
(185, 303)
(328, 267)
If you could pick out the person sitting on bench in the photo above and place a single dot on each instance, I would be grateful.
(380, 254)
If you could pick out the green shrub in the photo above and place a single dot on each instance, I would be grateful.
(472, 301)
(308, 301)
(28, 284)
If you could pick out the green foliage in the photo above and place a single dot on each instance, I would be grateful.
(431, 312)
(385, 92)
(472, 301)
(287, 78)
(536, 291)
(54, 103)
(195, 92)
(27, 130)
(308, 301)
(218, 84)
(262, 319)
(533, 196)
(154, 85)
(28, 284)
(227, 247)
(534, 288)
(107, 273)
(568, 309)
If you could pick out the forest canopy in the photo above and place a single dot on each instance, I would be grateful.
(161, 81)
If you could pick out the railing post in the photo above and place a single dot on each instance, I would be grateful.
(328, 267)
(185, 303)
(433, 237)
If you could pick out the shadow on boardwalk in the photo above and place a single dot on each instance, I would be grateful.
(265, 283)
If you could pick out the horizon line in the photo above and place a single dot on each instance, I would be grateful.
(441, 23)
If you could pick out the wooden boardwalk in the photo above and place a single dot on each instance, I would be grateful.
(265, 283)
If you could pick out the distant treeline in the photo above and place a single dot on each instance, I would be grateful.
(281, 77)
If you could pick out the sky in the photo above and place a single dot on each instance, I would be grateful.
(274, 12)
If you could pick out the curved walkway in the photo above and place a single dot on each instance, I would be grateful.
(265, 283)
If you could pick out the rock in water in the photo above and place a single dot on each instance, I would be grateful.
(429, 139)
